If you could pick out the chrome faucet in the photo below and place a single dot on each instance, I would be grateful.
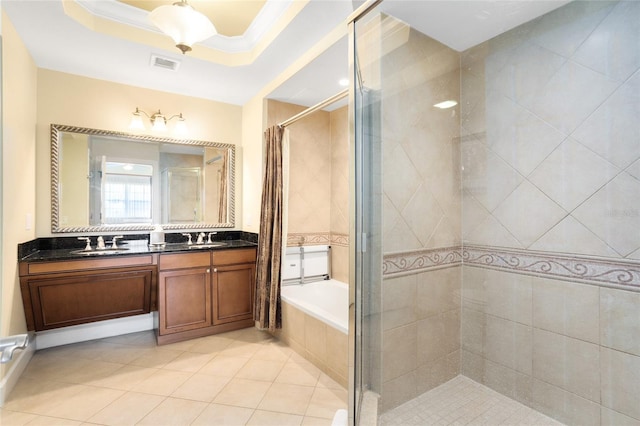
(114, 244)
(200, 239)
(209, 239)
(189, 242)
(88, 240)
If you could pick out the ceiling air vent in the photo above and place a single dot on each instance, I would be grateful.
(165, 63)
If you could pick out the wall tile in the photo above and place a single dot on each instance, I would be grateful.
(508, 382)
(607, 131)
(398, 391)
(610, 417)
(620, 320)
(571, 174)
(570, 364)
(564, 406)
(606, 50)
(566, 308)
(570, 236)
(433, 341)
(620, 382)
(473, 331)
(564, 30)
(438, 291)
(509, 343)
(399, 351)
(398, 301)
(509, 296)
(528, 213)
(586, 88)
(612, 214)
(472, 366)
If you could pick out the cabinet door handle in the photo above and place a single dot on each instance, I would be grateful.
(208, 270)
(215, 269)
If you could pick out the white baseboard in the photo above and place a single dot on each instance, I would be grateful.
(16, 367)
(95, 330)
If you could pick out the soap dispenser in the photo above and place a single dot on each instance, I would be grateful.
(156, 238)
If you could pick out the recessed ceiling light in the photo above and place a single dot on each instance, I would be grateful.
(446, 104)
(344, 82)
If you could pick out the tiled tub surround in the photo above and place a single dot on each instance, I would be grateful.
(325, 346)
(548, 147)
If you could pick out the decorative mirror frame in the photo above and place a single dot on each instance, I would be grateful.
(55, 180)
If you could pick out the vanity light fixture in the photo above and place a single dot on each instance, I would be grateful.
(183, 24)
(158, 122)
(446, 104)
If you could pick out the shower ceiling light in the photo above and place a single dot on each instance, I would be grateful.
(183, 24)
(446, 104)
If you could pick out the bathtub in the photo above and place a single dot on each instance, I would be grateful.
(326, 300)
(315, 316)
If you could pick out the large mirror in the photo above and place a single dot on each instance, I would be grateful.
(113, 181)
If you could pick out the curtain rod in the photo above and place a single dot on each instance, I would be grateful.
(315, 108)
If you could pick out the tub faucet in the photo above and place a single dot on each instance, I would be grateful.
(200, 239)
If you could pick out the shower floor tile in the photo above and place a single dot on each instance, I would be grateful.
(461, 401)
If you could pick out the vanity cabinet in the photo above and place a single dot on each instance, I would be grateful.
(205, 292)
(64, 293)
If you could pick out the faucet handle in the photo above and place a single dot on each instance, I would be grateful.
(100, 243)
(209, 238)
(88, 240)
(114, 244)
(189, 242)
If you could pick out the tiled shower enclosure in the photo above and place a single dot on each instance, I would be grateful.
(508, 226)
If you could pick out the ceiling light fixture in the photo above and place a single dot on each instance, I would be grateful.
(446, 104)
(183, 24)
(158, 122)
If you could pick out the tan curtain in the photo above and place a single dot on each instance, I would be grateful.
(270, 242)
(222, 200)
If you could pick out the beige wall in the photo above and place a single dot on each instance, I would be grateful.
(18, 174)
(309, 168)
(318, 180)
(85, 102)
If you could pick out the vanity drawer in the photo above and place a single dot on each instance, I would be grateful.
(233, 257)
(184, 260)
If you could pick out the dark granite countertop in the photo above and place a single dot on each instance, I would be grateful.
(64, 248)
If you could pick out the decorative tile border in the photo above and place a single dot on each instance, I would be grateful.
(404, 263)
(307, 238)
(295, 239)
(340, 240)
(608, 272)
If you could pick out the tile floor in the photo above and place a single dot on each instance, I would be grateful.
(462, 401)
(243, 377)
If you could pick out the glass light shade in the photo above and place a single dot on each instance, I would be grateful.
(159, 123)
(136, 121)
(183, 24)
(181, 126)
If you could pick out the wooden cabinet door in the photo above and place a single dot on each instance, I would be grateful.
(184, 299)
(233, 292)
(64, 301)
